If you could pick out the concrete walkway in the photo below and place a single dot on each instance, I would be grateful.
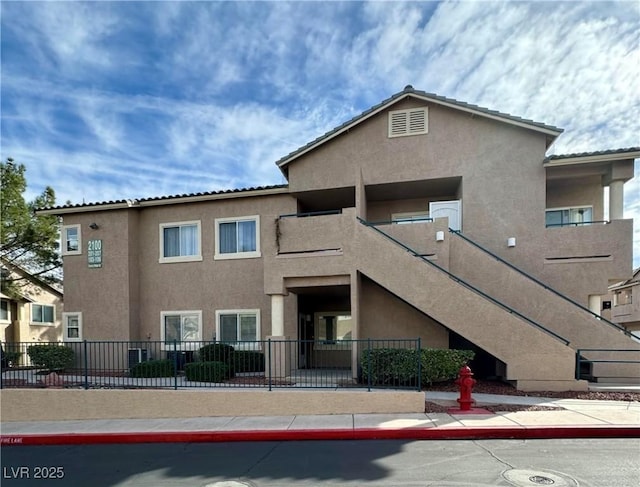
(577, 419)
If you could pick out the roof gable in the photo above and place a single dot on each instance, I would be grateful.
(409, 92)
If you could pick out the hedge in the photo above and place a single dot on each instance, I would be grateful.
(153, 368)
(248, 361)
(51, 357)
(219, 352)
(396, 366)
(207, 371)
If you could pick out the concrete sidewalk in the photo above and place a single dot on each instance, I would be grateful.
(579, 418)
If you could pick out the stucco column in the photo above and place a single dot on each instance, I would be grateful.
(595, 303)
(616, 199)
(277, 351)
(277, 315)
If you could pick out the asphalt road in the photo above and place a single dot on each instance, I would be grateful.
(460, 463)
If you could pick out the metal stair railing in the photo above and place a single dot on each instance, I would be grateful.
(540, 283)
(466, 284)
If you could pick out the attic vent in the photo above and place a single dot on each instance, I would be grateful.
(408, 122)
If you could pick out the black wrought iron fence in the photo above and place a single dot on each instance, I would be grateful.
(370, 363)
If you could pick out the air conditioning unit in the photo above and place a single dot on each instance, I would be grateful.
(137, 355)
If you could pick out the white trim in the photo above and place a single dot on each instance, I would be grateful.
(65, 326)
(255, 312)
(616, 156)
(8, 320)
(180, 258)
(42, 323)
(181, 313)
(236, 255)
(64, 240)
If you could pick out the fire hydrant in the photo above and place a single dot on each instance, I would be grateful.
(466, 382)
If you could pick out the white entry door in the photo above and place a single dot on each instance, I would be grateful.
(450, 209)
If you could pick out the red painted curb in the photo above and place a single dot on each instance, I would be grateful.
(446, 433)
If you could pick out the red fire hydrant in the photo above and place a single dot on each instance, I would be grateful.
(466, 382)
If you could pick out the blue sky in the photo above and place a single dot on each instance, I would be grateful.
(113, 100)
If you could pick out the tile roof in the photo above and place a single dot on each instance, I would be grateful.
(409, 90)
(589, 154)
(142, 201)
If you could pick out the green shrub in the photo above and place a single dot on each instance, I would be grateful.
(248, 361)
(218, 352)
(389, 366)
(12, 358)
(443, 364)
(153, 368)
(50, 356)
(207, 371)
(392, 366)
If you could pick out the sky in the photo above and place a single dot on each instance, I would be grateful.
(114, 100)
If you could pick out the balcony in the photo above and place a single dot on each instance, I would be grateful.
(315, 233)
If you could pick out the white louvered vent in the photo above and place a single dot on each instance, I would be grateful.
(408, 122)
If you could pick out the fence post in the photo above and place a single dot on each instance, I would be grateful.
(85, 353)
(175, 365)
(419, 364)
(578, 364)
(368, 364)
(270, 355)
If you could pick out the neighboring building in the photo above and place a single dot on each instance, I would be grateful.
(625, 303)
(313, 259)
(33, 313)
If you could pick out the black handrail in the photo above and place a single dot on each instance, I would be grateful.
(466, 284)
(576, 224)
(540, 283)
(580, 360)
(312, 213)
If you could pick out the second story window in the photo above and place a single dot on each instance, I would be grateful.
(180, 242)
(71, 240)
(561, 217)
(237, 238)
(5, 311)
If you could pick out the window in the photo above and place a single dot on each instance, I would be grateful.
(43, 314)
(622, 297)
(181, 326)
(238, 325)
(332, 327)
(560, 217)
(238, 238)
(5, 311)
(72, 326)
(180, 242)
(408, 122)
(71, 240)
(411, 217)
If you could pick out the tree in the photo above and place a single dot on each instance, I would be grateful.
(27, 241)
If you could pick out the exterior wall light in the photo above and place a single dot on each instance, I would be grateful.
(511, 242)
(94, 226)
(439, 236)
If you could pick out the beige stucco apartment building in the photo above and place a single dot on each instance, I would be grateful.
(358, 245)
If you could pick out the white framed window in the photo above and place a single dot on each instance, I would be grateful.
(71, 240)
(72, 326)
(180, 242)
(331, 328)
(410, 217)
(5, 311)
(562, 217)
(180, 326)
(238, 237)
(43, 314)
(238, 325)
(414, 121)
